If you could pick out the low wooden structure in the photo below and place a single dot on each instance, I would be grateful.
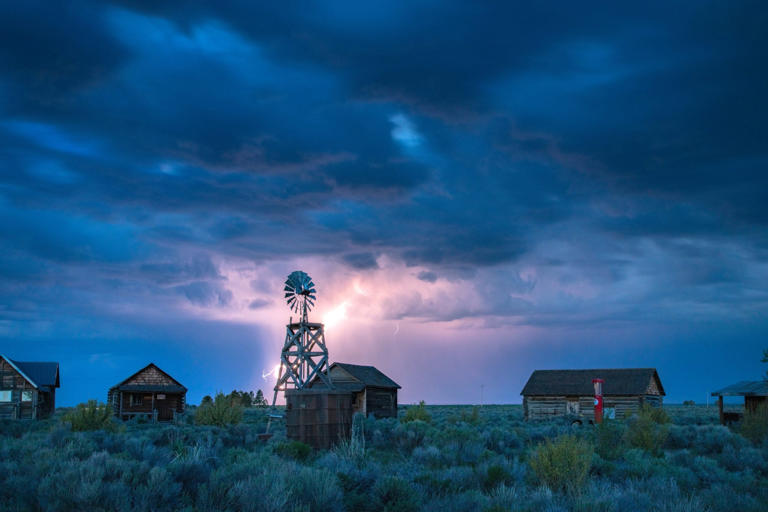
(150, 392)
(553, 393)
(318, 417)
(27, 389)
(321, 416)
(755, 393)
(373, 393)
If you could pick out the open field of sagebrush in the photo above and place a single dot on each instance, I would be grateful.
(457, 458)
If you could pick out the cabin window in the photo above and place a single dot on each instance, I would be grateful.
(5, 395)
(136, 400)
(26, 396)
(161, 397)
(609, 413)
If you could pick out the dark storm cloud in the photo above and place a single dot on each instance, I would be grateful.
(568, 166)
(361, 260)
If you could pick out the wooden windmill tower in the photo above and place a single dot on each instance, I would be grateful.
(304, 355)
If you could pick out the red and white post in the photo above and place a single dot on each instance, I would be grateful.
(598, 383)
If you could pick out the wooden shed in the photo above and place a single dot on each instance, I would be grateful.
(27, 389)
(755, 393)
(552, 393)
(373, 393)
(149, 392)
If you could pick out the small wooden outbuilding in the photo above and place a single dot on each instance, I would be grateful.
(755, 393)
(149, 392)
(552, 393)
(27, 389)
(373, 393)
(320, 416)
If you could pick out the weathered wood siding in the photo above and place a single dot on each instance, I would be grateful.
(547, 407)
(381, 402)
(12, 383)
(319, 418)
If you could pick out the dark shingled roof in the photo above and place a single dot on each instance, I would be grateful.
(368, 375)
(618, 381)
(40, 374)
(133, 387)
(744, 388)
(152, 389)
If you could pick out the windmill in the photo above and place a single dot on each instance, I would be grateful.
(304, 355)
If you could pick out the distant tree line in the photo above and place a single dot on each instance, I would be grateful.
(243, 398)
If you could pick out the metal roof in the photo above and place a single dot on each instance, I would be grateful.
(618, 381)
(744, 388)
(39, 374)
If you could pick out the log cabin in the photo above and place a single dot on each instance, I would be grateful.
(553, 393)
(27, 389)
(373, 393)
(151, 393)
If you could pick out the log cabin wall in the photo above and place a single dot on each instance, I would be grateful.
(547, 407)
(150, 392)
(18, 398)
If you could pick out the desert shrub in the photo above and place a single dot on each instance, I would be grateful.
(316, 489)
(648, 431)
(417, 412)
(466, 501)
(563, 464)
(428, 456)
(356, 485)
(502, 440)
(222, 411)
(91, 416)
(294, 450)
(754, 426)
(609, 439)
(395, 494)
(496, 475)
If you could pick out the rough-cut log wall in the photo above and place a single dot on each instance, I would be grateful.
(545, 407)
(11, 380)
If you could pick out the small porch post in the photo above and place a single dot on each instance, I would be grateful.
(154, 413)
(120, 399)
(720, 408)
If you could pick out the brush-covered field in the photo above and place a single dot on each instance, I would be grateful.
(455, 458)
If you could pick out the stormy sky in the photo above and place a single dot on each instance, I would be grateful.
(479, 189)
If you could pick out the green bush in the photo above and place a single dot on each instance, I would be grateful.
(655, 414)
(395, 494)
(91, 416)
(609, 439)
(562, 464)
(754, 426)
(294, 450)
(222, 411)
(417, 412)
(648, 430)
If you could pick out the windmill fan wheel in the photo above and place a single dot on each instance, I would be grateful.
(299, 291)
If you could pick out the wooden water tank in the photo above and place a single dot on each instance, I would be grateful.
(318, 417)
